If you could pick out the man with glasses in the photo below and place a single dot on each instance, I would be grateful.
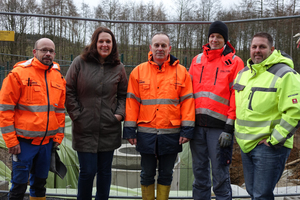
(32, 118)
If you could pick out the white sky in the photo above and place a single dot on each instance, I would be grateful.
(94, 3)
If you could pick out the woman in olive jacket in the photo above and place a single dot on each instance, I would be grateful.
(96, 95)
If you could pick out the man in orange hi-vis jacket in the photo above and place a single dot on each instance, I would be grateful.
(160, 115)
(32, 118)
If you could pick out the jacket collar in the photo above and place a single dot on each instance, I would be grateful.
(37, 64)
(213, 54)
(171, 59)
(274, 58)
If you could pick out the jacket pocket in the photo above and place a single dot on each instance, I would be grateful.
(56, 92)
(144, 86)
(175, 86)
(175, 122)
(33, 91)
(260, 95)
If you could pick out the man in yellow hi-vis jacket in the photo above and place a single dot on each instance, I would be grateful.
(267, 93)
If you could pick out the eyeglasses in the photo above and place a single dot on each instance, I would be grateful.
(44, 51)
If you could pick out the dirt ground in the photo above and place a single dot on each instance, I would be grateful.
(236, 170)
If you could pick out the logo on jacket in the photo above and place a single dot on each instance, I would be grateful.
(225, 71)
(295, 101)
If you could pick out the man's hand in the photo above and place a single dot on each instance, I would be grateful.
(55, 144)
(225, 139)
(15, 150)
(132, 141)
(183, 140)
(264, 141)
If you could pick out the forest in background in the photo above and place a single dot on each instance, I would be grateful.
(70, 36)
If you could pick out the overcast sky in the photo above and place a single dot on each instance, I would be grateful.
(94, 3)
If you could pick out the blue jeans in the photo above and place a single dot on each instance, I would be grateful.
(90, 164)
(204, 148)
(33, 160)
(165, 168)
(263, 167)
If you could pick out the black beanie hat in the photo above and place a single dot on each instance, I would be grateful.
(219, 27)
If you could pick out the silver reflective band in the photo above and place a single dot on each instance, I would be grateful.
(130, 124)
(214, 114)
(287, 125)
(61, 130)
(188, 123)
(188, 96)
(27, 133)
(257, 123)
(245, 136)
(230, 121)
(132, 96)
(212, 96)
(158, 131)
(6, 107)
(198, 60)
(35, 108)
(60, 110)
(160, 101)
(7, 129)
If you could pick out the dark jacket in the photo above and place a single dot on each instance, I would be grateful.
(95, 92)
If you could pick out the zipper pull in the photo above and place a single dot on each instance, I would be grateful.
(249, 95)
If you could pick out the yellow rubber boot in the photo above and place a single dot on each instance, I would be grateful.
(37, 198)
(163, 192)
(148, 192)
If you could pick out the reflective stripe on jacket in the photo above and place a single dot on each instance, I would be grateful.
(32, 103)
(267, 103)
(213, 73)
(160, 106)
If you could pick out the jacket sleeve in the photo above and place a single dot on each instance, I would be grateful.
(187, 108)
(289, 108)
(231, 115)
(133, 102)
(72, 103)
(60, 115)
(10, 93)
(121, 93)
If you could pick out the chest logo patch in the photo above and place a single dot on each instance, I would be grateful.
(295, 101)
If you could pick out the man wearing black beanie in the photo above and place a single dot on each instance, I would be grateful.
(213, 73)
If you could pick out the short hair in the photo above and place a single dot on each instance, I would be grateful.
(90, 51)
(160, 33)
(264, 35)
(37, 42)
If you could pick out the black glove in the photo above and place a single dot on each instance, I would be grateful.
(225, 139)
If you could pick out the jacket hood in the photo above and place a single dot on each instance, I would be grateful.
(228, 48)
(276, 57)
(171, 59)
(36, 63)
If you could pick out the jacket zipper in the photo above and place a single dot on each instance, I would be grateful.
(48, 107)
(216, 76)
(201, 74)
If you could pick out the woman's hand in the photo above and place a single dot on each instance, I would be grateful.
(119, 117)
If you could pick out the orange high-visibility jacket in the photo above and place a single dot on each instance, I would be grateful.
(32, 103)
(160, 106)
(213, 73)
